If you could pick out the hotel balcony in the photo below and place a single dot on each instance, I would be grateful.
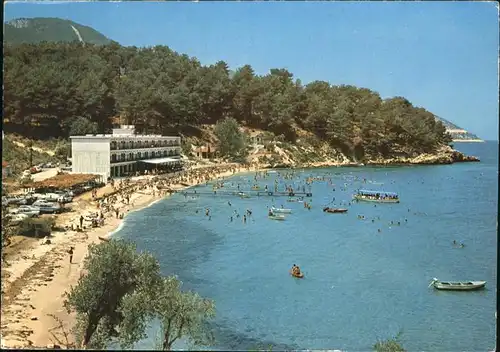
(132, 156)
(131, 145)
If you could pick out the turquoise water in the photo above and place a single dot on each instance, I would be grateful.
(361, 285)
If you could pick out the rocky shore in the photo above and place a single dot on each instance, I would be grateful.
(445, 155)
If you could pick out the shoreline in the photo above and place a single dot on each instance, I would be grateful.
(41, 271)
(468, 141)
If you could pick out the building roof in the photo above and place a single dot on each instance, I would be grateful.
(5, 164)
(124, 136)
(63, 181)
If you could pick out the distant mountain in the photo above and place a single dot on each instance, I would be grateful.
(458, 133)
(35, 30)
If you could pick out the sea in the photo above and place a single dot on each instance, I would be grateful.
(366, 279)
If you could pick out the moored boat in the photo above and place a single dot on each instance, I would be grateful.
(457, 285)
(281, 210)
(243, 195)
(276, 217)
(376, 196)
(334, 210)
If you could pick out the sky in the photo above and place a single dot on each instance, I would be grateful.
(442, 56)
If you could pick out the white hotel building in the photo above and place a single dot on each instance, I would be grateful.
(123, 152)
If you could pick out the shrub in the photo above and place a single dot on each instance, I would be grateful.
(389, 345)
(36, 227)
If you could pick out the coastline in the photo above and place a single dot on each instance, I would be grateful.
(42, 271)
(468, 141)
(443, 156)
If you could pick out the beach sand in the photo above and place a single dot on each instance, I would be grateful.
(37, 277)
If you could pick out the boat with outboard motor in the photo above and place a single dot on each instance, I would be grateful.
(457, 285)
(376, 196)
(334, 210)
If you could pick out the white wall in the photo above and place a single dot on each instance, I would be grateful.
(91, 155)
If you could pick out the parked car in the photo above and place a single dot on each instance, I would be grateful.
(14, 200)
(52, 197)
(64, 197)
(35, 169)
(47, 207)
(29, 210)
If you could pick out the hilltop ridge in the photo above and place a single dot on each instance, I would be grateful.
(39, 29)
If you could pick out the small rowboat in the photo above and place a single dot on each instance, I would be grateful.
(298, 276)
(255, 188)
(103, 239)
(457, 285)
(334, 210)
(243, 195)
(276, 217)
(281, 210)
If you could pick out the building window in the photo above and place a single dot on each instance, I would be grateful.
(131, 144)
(113, 145)
(122, 157)
(139, 155)
(130, 156)
(113, 158)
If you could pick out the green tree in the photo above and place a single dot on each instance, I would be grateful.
(114, 270)
(82, 126)
(62, 150)
(231, 139)
(181, 314)
(49, 86)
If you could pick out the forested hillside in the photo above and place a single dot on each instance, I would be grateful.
(49, 85)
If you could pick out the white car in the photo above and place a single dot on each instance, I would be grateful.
(47, 207)
(26, 209)
(64, 197)
(14, 200)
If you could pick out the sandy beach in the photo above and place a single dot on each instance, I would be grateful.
(36, 277)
